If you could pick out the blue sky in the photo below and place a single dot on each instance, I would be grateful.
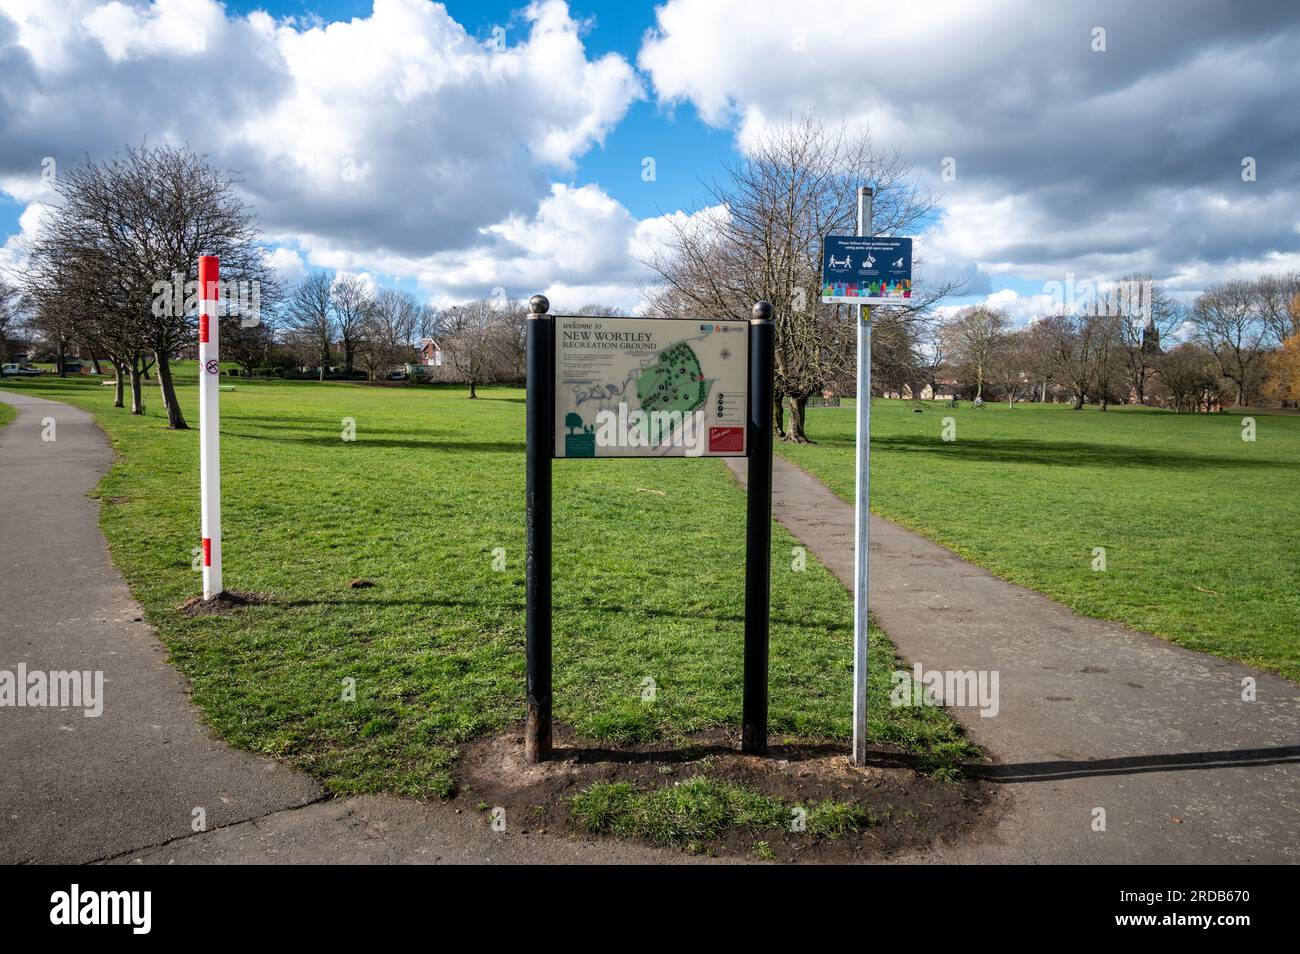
(471, 167)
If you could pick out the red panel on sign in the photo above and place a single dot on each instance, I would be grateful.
(203, 329)
(724, 440)
(207, 551)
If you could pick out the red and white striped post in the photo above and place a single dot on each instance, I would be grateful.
(209, 424)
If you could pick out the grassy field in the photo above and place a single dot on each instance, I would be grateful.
(648, 556)
(1201, 529)
(7, 414)
(699, 809)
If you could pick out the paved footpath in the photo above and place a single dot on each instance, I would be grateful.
(1093, 715)
(122, 787)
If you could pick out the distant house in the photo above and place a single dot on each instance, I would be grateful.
(434, 363)
(18, 350)
(431, 353)
(940, 390)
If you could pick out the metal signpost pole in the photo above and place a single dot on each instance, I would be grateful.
(209, 425)
(861, 503)
(758, 530)
(540, 444)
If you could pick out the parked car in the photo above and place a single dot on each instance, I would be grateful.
(18, 371)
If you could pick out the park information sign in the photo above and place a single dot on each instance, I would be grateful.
(866, 271)
(650, 387)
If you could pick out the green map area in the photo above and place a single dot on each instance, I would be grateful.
(674, 383)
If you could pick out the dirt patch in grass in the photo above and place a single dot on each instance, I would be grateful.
(224, 602)
(900, 808)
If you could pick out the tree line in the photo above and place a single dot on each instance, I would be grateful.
(122, 228)
(1237, 343)
(113, 271)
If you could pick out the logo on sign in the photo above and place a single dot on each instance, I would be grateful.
(212, 366)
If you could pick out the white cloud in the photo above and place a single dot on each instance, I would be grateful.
(1065, 158)
(383, 142)
(288, 265)
(177, 26)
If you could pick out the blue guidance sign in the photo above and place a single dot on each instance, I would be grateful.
(866, 271)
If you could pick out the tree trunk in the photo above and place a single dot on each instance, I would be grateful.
(798, 413)
(137, 395)
(473, 394)
(778, 414)
(120, 368)
(1078, 401)
(175, 419)
(94, 365)
(61, 361)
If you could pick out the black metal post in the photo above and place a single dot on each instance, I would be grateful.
(540, 408)
(758, 529)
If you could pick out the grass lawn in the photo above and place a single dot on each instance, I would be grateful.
(1201, 529)
(648, 555)
(7, 414)
(699, 809)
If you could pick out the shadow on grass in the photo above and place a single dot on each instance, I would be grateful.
(1060, 453)
(364, 438)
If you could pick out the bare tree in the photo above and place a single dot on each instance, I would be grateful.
(1279, 305)
(514, 313)
(309, 316)
(760, 235)
(11, 305)
(248, 345)
(127, 224)
(391, 327)
(477, 342)
(1230, 324)
(1149, 318)
(895, 355)
(1066, 348)
(932, 353)
(1189, 372)
(973, 337)
(353, 307)
(1109, 356)
(1011, 363)
(1042, 354)
(52, 321)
